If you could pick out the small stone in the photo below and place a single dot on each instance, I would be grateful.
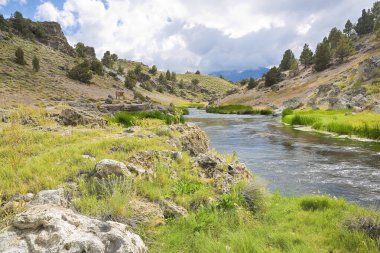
(177, 155)
(136, 169)
(28, 197)
(108, 167)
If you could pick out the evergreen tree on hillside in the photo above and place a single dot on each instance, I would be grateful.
(365, 23)
(252, 83)
(36, 64)
(120, 70)
(272, 77)
(334, 36)
(173, 77)
(153, 70)
(97, 67)
(3, 23)
(130, 82)
(344, 48)
(168, 76)
(376, 10)
(138, 70)
(80, 49)
(114, 57)
(348, 27)
(107, 60)
(287, 59)
(197, 72)
(322, 56)
(19, 23)
(20, 56)
(306, 57)
(162, 79)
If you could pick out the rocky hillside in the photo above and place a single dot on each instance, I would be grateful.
(353, 84)
(51, 85)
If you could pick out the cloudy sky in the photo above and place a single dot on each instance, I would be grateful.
(181, 35)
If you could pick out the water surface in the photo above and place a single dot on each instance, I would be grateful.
(295, 162)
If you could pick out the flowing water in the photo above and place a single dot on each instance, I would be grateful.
(295, 162)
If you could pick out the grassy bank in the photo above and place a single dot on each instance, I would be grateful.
(237, 109)
(128, 119)
(342, 122)
(244, 220)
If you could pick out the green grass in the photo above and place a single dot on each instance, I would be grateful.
(342, 122)
(237, 109)
(128, 119)
(286, 226)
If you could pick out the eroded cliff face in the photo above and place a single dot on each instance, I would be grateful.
(55, 38)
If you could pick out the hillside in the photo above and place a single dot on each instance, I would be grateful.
(51, 85)
(354, 83)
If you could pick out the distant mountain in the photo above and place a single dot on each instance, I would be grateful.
(235, 75)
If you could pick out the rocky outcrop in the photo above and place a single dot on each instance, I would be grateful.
(293, 103)
(76, 117)
(55, 38)
(192, 138)
(369, 67)
(48, 226)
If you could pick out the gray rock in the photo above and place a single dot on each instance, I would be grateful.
(293, 103)
(177, 155)
(136, 169)
(171, 210)
(51, 197)
(376, 109)
(277, 112)
(107, 167)
(50, 228)
(28, 197)
(76, 117)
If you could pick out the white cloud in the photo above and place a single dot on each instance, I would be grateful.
(5, 2)
(207, 35)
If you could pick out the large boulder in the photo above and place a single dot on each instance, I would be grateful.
(48, 226)
(76, 117)
(293, 103)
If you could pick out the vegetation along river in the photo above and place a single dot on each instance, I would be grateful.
(296, 162)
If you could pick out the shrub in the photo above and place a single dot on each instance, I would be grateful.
(315, 203)
(20, 56)
(252, 83)
(272, 77)
(286, 112)
(97, 67)
(130, 83)
(197, 72)
(36, 64)
(226, 202)
(81, 72)
(130, 118)
(195, 81)
(153, 70)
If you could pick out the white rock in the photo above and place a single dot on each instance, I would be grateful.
(108, 167)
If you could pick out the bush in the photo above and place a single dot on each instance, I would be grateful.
(130, 118)
(153, 70)
(36, 64)
(272, 77)
(81, 72)
(195, 81)
(286, 112)
(20, 56)
(97, 67)
(130, 83)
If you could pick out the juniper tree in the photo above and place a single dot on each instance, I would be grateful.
(348, 27)
(365, 23)
(36, 64)
(273, 76)
(20, 56)
(168, 75)
(344, 48)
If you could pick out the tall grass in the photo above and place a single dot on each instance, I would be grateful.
(342, 122)
(237, 109)
(131, 118)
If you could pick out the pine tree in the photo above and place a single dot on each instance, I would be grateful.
(107, 60)
(344, 48)
(252, 83)
(306, 57)
(365, 23)
(376, 9)
(173, 77)
(80, 49)
(153, 70)
(348, 27)
(273, 76)
(334, 36)
(20, 56)
(287, 60)
(97, 67)
(168, 76)
(197, 72)
(3, 23)
(322, 56)
(36, 64)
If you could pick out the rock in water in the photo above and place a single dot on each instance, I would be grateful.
(47, 226)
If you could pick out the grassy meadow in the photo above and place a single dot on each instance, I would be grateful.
(342, 122)
(238, 109)
(246, 219)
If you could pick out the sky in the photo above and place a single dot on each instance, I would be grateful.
(183, 35)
